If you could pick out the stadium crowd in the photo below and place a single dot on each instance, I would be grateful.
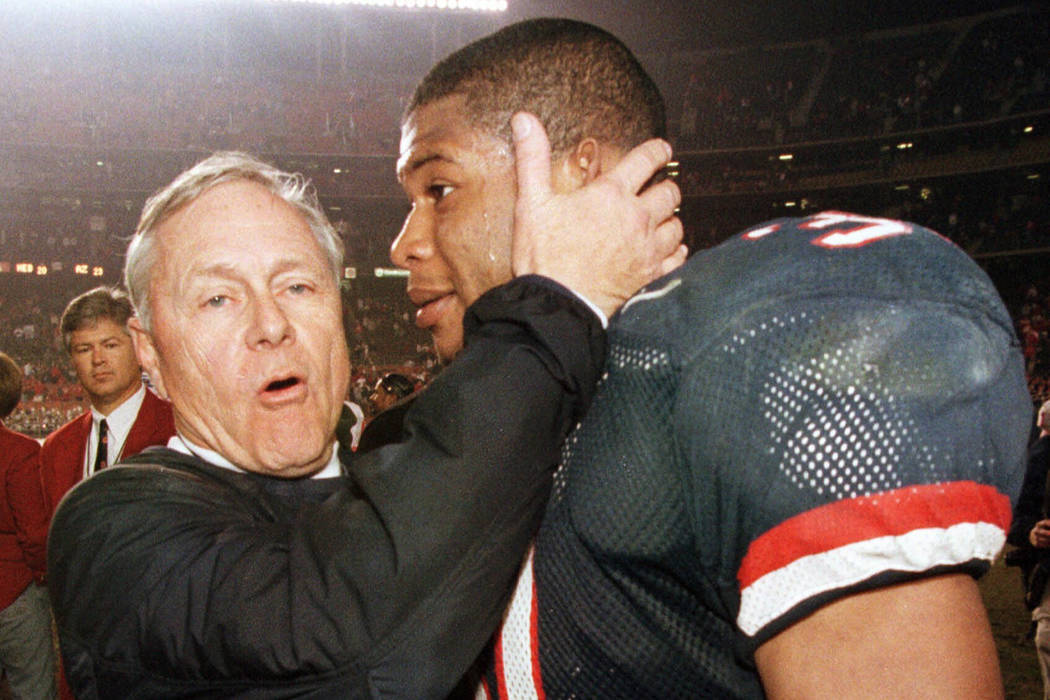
(830, 100)
(840, 106)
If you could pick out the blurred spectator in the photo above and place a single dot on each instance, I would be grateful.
(389, 390)
(1030, 532)
(27, 654)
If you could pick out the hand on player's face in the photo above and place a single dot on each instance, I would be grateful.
(604, 240)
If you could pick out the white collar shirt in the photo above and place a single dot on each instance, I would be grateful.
(118, 426)
(180, 444)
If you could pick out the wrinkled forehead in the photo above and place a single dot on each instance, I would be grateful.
(232, 212)
(237, 230)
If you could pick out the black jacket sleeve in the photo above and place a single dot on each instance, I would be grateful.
(1030, 507)
(169, 583)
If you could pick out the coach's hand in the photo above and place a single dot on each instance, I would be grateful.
(605, 239)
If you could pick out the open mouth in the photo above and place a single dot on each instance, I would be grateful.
(282, 384)
(285, 391)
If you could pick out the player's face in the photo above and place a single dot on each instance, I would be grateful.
(455, 242)
(247, 339)
(105, 363)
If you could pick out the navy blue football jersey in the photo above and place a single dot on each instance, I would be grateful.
(815, 408)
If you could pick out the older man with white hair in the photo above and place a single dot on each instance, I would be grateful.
(251, 557)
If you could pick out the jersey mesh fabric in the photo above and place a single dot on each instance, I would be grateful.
(857, 403)
(636, 630)
(782, 423)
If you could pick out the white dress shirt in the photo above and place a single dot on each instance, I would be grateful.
(180, 444)
(118, 425)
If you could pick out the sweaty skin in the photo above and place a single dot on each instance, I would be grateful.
(459, 238)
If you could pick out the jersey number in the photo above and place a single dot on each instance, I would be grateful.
(848, 230)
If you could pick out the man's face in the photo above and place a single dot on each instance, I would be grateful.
(247, 339)
(105, 363)
(455, 242)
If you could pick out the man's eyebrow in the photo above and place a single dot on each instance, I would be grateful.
(414, 164)
(215, 269)
(87, 344)
(223, 270)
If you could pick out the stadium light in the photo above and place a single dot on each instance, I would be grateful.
(469, 5)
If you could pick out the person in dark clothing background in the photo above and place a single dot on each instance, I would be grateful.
(390, 389)
(391, 399)
(1030, 532)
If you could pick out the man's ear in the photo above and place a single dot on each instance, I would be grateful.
(146, 353)
(580, 165)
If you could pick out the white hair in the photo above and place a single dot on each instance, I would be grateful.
(227, 166)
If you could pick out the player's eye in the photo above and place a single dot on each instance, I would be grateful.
(439, 192)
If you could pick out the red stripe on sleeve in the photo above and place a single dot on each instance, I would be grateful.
(889, 513)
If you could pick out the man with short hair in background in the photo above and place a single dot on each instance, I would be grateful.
(125, 416)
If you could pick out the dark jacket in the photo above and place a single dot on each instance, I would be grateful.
(1032, 506)
(173, 578)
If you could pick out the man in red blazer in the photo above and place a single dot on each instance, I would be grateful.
(94, 330)
(26, 652)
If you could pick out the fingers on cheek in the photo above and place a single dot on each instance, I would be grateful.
(671, 231)
(674, 195)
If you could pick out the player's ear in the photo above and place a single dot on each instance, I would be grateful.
(579, 166)
(147, 354)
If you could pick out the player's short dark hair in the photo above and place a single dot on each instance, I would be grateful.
(578, 79)
(397, 384)
(10, 385)
(92, 306)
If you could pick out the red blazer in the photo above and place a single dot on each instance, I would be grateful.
(62, 456)
(23, 516)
